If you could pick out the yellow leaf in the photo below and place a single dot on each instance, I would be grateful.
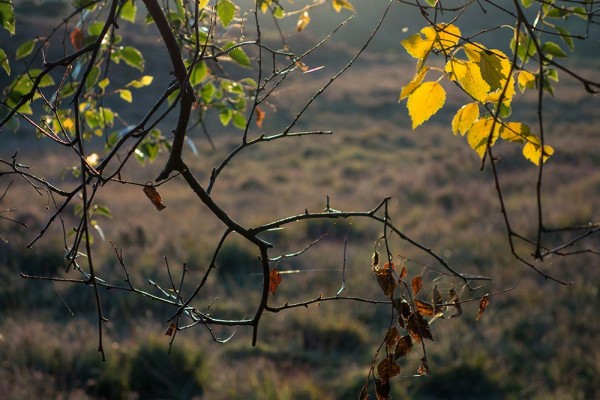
(413, 84)
(68, 124)
(533, 150)
(464, 118)
(479, 135)
(468, 75)
(126, 95)
(93, 159)
(303, 21)
(525, 80)
(339, 4)
(417, 46)
(495, 67)
(448, 36)
(473, 50)
(425, 101)
(202, 3)
(515, 132)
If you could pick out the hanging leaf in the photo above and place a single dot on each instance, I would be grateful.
(403, 272)
(303, 21)
(388, 368)
(154, 197)
(438, 301)
(171, 329)
(478, 136)
(260, 116)
(483, 303)
(339, 4)
(417, 284)
(375, 259)
(25, 49)
(413, 84)
(533, 150)
(382, 389)
(468, 75)
(4, 62)
(424, 308)
(464, 118)
(225, 11)
(77, 38)
(403, 309)
(425, 101)
(403, 347)
(274, 280)
(386, 281)
(391, 337)
(456, 303)
(418, 328)
(364, 393)
(424, 367)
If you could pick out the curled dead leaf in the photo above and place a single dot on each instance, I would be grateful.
(151, 192)
(388, 368)
(303, 21)
(418, 328)
(455, 302)
(425, 309)
(274, 280)
(171, 329)
(483, 303)
(260, 116)
(77, 38)
(403, 347)
(417, 284)
(391, 337)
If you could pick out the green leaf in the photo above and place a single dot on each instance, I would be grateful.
(132, 57)
(92, 78)
(238, 55)
(239, 121)
(128, 11)
(431, 3)
(526, 3)
(126, 95)
(104, 83)
(4, 62)
(7, 16)
(198, 73)
(225, 11)
(207, 92)
(553, 49)
(565, 36)
(225, 116)
(25, 49)
(102, 210)
(552, 74)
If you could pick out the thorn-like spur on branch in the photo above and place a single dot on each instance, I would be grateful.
(175, 161)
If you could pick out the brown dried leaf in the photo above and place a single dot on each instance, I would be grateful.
(260, 116)
(392, 336)
(417, 284)
(386, 281)
(483, 303)
(388, 368)
(403, 347)
(456, 302)
(171, 329)
(303, 67)
(403, 272)
(274, 280)
(403, 309)
(154, 197)
(424, 308)
(375, 259)
(382, 389)
(424, 367)
(77, 38)
(438, 301)
(418, 327)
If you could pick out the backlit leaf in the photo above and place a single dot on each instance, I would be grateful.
(438, 301)
(132, 57)
(447, 36)
(413, 84)
(483, 303)
(145, 80)
(495, 68)
(468, 75)
(274, 280)
(225, 11)
(424, 308)
(126, 95)
(464, 118)
(25, 49)
(425, 101)
(151, 192)
(238, 54)
(424, 367)
(553, 49)
(403, 272)
(382, 389)
(418, 328)
(515, 132)
(403, 347)
(478, 136)
(128, 11)
(303, 21)
(4, 62)
(417, 284)
(339, 4)
(525, 80)
(260, 116)
(7, 16)
(386, 281)
(533, 151)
